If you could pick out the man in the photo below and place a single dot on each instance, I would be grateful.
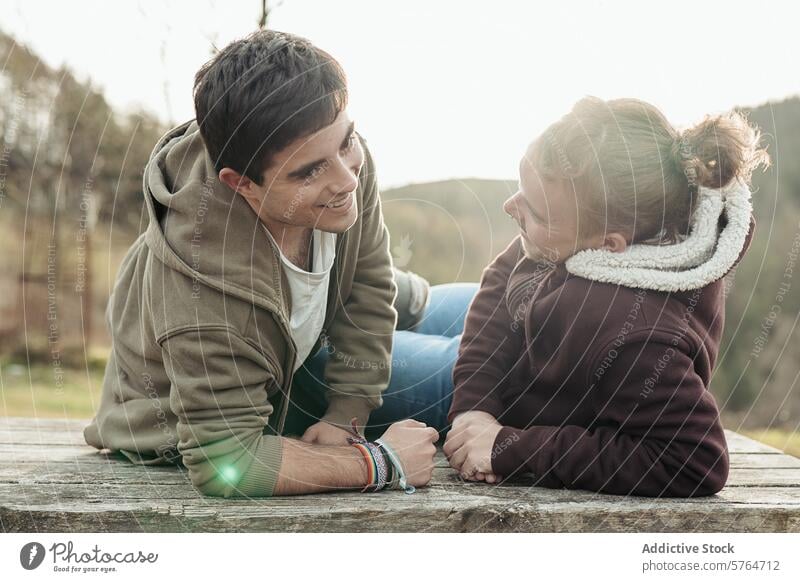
(266, 255)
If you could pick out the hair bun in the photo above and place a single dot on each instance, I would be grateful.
(719, 149)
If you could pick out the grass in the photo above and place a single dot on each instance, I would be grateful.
(34, 392)
(45, 392)
(785, 440)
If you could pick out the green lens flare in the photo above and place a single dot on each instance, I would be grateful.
(230, 474)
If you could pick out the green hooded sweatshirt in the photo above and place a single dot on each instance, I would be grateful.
(202, 359)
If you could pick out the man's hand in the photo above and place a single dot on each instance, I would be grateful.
(469, 445)
(323, 433)
(413, 442)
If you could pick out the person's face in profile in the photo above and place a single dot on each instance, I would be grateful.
(546, 212)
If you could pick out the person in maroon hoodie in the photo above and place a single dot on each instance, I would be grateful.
(588, 350)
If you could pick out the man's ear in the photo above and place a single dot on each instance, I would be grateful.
(615, 242)
(239, 183)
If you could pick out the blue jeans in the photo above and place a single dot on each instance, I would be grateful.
(421, 384)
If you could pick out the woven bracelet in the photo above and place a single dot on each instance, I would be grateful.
(398, 467)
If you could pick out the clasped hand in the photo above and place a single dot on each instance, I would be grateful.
(469, 446)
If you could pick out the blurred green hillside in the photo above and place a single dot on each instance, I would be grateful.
(448, 231)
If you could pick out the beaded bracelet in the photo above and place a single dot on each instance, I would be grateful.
(379, 471)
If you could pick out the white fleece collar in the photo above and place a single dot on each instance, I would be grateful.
(706, 255)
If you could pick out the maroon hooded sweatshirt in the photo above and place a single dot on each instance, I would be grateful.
(598, 386)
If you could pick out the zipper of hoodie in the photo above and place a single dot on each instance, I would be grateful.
(287, 385)
(287, 391)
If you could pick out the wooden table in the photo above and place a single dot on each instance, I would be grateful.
(52, 481)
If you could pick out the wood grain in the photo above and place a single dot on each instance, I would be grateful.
(51, 481)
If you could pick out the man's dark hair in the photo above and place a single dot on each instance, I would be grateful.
(261, 93)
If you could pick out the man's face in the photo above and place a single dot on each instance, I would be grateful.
(312, 181)
(546, 212)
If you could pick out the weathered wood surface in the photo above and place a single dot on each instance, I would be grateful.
(51, 481)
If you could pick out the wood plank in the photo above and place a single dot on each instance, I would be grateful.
(50, 437)
(50, 480)
(125, 473)
(746, 477)
(742, 444)
(67, 457)
(122, 490)
(760, 460)
(37, 424)
(738, 477)
(747, 469)
(122, 471)
(443, 512)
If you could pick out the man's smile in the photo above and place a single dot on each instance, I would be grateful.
(339, 202)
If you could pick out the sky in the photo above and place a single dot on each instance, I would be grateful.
(440, 89)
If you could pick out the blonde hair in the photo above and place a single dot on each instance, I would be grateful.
(634, 173)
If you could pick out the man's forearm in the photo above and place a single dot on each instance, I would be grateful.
(307, 468)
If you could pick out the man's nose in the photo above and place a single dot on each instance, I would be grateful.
(345, 180)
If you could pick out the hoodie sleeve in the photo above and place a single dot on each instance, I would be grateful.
(655, 434)
(357, 372)
(218, 392)
(491, 342)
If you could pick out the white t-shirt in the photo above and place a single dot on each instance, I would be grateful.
(309, 292)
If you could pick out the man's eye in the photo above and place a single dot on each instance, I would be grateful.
(311, 173)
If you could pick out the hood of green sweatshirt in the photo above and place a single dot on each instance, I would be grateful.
(201, 227)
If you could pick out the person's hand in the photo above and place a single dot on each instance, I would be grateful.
(323, 433)
(473, 417)
(413, 442)
(469, 445)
